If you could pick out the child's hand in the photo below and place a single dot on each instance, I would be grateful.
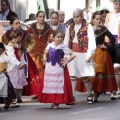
(22, 65)
(44, 61)
(63, 62)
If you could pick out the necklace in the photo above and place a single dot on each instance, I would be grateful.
(40, 27)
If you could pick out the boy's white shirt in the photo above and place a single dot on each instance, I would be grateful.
(9, 60)
(91, 38)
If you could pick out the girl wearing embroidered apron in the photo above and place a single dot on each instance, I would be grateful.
(27, 44)
(17, 75)
(55, 87)
(113, 25)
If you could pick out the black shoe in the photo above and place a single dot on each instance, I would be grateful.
(19, 101)
(6, 106)
(55, 106)
(34, 98)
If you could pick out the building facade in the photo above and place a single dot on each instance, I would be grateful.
(24, 7)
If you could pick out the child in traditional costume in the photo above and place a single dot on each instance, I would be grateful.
(17, 75)
(80, 38)
(7, 94)
(27, 44)
(104, 80)
(55, 87)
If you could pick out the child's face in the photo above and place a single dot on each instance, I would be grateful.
(117, 6)
(1, 51)
(58, 38)
(77, 19)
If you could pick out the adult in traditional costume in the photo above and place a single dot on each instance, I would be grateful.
(80, 38)
(113, 24)
(41, 32)
(104, 80)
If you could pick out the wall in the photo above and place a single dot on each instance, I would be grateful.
(23, 7)
(69, 6)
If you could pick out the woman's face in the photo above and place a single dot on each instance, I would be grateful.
(117, 7)
(77, 19)
(54, 19)
(16, 24)
(97, 20)
(41, 18)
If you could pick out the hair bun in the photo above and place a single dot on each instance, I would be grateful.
(13, 34)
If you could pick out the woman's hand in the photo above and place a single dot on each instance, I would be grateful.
(103, 47)
(22, 65)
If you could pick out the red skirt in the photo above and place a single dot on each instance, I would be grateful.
(66, 97)
(80, 87)
(33, 79)
(104, 82)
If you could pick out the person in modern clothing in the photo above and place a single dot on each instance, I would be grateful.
(61, 15)
(31, 17)
(6, 13)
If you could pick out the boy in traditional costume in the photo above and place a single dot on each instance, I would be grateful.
(80, 38)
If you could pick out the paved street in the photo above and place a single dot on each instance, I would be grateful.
(105, 109)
